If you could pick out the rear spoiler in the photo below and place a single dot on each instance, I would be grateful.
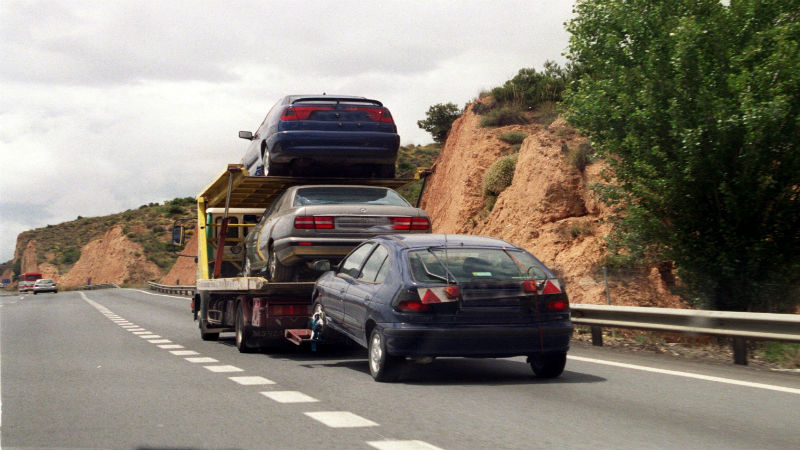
(331, 99)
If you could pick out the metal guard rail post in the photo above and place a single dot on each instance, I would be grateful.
(187, 291)
(741, 326)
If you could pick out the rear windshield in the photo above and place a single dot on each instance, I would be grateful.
(474, 264)
(348, 195)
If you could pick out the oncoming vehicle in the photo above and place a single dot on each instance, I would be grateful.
(45, 285)
(423, 296)
(330, 135)
(26, 281)
(309, 223)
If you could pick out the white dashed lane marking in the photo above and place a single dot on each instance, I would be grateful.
(223, 369)
(201, 359)
(340, 419)
(402, 445)
(333, 419)
(289, 397)
(251, 381)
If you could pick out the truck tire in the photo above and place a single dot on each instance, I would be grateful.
(275, 270)
(203, 323)
(548, 366)
(241, 332)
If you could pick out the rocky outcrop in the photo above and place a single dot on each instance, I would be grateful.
(549, 209)
(112, 258)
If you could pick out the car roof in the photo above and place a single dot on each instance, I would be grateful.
(450, 240)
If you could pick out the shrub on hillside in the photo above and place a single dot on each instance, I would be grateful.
(499, 175)
(513, 137)
(580, 157)
(507, 115)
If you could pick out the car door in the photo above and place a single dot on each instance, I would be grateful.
(341, 282)
(360, 294)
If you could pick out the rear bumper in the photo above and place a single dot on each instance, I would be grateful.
(338, 148)
(294, 250)
(496, 341)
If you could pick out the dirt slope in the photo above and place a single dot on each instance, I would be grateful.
(112, 258)
(548, 209)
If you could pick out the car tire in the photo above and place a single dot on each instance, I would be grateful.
(276, 271)
(241, 332)
(277, 170)
(382, 366)
(548, 366)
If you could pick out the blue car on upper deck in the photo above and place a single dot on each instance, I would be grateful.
(419, 296)
(326, 135)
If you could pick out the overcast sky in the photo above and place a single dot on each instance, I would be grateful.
(109, 105)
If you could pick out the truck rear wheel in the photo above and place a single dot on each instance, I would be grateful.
(205, 335)
(241, 332)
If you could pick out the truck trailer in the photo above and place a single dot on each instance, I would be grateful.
(258, 311)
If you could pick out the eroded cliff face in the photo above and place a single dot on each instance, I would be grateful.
(184, 271)
(548, 210)
(112, 258)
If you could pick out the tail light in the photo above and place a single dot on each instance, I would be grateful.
(410, 223)
(408, 300)
(530, 287)
(304, 112)
(314, 222)
(452, 291)
(557, 305)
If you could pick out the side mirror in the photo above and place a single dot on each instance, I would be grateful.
(178, 235)
(322, 266)
(246, 135)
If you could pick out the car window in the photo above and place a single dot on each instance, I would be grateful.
(352, 263)
(471, 264)
(348, 195)
(275, 205)
(373, 264)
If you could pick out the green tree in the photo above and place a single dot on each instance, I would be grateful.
(696, 107)
(440, 118)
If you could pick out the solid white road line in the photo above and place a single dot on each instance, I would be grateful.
(688, 375)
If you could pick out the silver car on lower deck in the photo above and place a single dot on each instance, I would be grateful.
(324, 222)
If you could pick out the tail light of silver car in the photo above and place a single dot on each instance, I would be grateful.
(411, 223)
(314, 222)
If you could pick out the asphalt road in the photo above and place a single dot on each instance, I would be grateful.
(123, 368)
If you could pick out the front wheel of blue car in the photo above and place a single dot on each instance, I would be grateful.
(382, 366)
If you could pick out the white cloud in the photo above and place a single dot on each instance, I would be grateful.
(111, 105)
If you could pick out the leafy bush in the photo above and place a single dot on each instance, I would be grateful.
(506, 115)
(530, 88)
(440, 118)
(513, 137)
(499, 175)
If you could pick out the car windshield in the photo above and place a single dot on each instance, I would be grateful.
(438, 264)
(348, 195)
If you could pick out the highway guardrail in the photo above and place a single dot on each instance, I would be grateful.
(187, 291)
(740, 326)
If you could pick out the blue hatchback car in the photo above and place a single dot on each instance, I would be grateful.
(328, 135)
(417, 297)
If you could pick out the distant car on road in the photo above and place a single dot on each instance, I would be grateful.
(309, 223)
(45, 285)
(328, 135)
(424, 296)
